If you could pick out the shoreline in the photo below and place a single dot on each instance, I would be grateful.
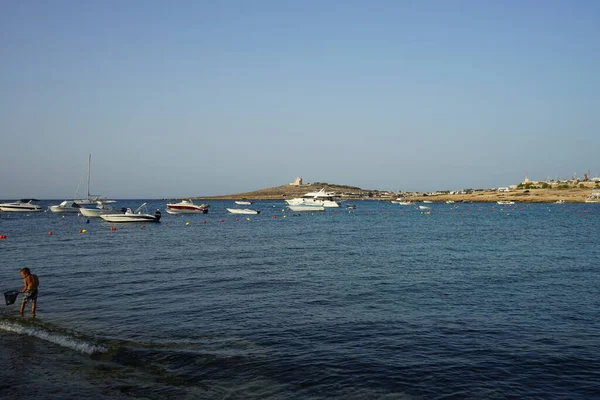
(549, 195)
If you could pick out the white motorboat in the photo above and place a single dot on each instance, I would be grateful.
(186, 207)
(23, 205)
(74, 206)
(320, 198)
(67, 206)
(403, 202)
(100, 209)
(242, 211)
(243, 202)
(424, 208)
(505, 202)
(306, 207)
(560, 201)
(132, 216)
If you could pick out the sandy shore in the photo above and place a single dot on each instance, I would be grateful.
(575, 195)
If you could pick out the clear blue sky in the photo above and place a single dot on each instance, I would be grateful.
(190, 98)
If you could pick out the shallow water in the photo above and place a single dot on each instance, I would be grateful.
(385, 301)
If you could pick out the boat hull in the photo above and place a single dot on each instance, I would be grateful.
(304, 207)
(59, 209)
(95, 212)
(20, 209)
(129, 218)
(187, 211)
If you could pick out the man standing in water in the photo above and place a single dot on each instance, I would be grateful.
(30, 289)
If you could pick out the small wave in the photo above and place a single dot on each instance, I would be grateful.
(60, 339)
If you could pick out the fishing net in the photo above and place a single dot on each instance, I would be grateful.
(10, 297)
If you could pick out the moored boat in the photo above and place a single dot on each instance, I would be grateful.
(133, 216)
(306, 207)
(243, 202)
(186, 207)
(320, 198)
(100, 209)
(23, 205)
(74, 206)
(403, 202)
(66, 207)
(242, 211)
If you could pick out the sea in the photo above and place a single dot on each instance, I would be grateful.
(384, 301)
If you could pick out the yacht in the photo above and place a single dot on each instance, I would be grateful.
(132, 216)
(320, 198)
(67, 206)
(23, 205)
(186, 207)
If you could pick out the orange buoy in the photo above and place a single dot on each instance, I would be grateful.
(49, 233)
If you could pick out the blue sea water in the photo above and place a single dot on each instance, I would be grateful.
(469, 301)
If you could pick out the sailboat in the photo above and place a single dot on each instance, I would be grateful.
(74, 206)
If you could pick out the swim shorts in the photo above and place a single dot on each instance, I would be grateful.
(30, 295)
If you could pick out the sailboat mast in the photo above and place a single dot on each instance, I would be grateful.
(89, 173)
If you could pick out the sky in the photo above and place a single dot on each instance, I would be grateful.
(200, 98)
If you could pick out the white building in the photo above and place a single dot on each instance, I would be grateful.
(297, 182)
